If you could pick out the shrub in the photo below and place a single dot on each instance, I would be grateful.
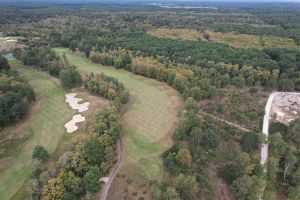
(70, 77)
(231, 172)
(250, 142)
(40, 153)
(210, 140)
(91, 180)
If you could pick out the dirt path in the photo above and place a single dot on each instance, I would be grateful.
(226, 122)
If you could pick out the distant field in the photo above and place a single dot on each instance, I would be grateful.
(252, 41)
(148, 124)
(176, 34)
(233, 39)
(44, 126)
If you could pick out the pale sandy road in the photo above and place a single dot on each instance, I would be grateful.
(114, 171)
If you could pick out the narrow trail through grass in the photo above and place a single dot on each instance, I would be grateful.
(44, 126)
(148, 122)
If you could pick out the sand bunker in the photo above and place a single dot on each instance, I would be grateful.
(73, 102)
(71, 125)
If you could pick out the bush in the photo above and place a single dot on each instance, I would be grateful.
(250, 142)
(91, 180)
(210, 140)
(40, 153)
(231, 172)
(70, 77)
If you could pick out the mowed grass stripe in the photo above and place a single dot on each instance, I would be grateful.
(45, 125)
(149, 119)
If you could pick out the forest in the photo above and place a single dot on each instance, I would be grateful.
(186, 90)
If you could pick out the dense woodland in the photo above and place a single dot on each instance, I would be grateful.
(206, 151)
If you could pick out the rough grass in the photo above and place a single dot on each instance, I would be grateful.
(238, 40)
(45, 127)
(176, 34)
(149, 120)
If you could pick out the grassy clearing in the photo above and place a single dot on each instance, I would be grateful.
(44, 126)
(238, 106)
(233, 39)
(148, 123)
(176, 34)
(252, 41)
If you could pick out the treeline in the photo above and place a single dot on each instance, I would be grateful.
(77, 172)
(108, 87)
(204, 147)
(190, 52)
(283, 64)
(283, 177)
(15, 95)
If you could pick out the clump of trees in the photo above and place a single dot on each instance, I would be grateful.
(204, 146)
(42, 57)
(283, 163)
(15, 95)
(70, 77)
(108, 87)
(78, 170)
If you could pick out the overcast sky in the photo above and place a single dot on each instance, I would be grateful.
(161, 1)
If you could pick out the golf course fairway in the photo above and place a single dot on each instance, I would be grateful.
(148, 122)
(43, 126)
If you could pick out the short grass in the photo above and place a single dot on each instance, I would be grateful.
(44, 126)
(148, 122)
(238, 40)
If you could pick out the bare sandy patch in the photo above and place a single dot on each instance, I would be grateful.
(286, 107)
(74, 103)
(71, 125)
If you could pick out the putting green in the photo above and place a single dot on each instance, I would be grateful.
(45, 126)
(148, 122)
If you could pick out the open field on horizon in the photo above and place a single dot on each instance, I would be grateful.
(233, 39)
(148, 123)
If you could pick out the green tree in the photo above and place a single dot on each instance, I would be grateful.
(70, 77)
(40, 153)
(231, 172)
(250, 141)
(91, 180)
(286, 85)
(184, 158)
(187, 187)
(210, 140)
(247, 188)
(4, 64)
(94, 151)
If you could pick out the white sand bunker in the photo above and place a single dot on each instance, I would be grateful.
(73, 102)
(71, 125)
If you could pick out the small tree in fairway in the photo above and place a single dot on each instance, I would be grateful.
(40, 153)
(70, 77)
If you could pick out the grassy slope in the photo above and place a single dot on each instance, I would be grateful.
(148, 123)
(45, 127)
